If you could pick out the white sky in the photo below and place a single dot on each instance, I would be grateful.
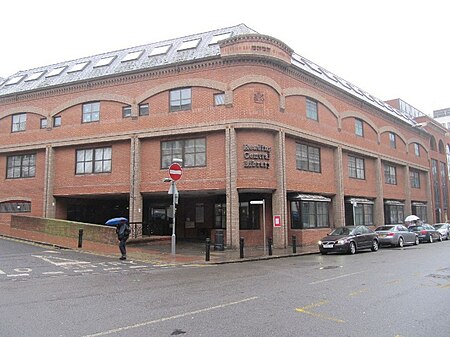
(391, 49)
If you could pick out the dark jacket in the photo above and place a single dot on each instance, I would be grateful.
(123, 230)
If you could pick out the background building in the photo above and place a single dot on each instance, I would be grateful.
(257, 127)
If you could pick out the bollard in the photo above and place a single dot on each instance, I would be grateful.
(294, 244)
(241, 248)
(208, 249)
(270, 242)
(80, 237)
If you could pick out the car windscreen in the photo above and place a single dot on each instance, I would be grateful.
(437, 226)
(384, 228)
(415, 228)
(341, 231)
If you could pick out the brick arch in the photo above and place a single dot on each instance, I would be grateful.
(89, 98)
(441, 147)
(354, 114)
(15, 198)
(418, 141)
(26, 109)
(195, 82)
(385, 129)
(257, 79)
(319, 98)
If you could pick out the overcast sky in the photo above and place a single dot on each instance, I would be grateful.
(391, 49)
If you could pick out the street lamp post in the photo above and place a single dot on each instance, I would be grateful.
(263, 203)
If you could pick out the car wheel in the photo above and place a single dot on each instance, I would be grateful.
(440, 237)
(400, 242)
(374, 247)
(416, 241)
(352, 248)
(430, 239)
(323, 253)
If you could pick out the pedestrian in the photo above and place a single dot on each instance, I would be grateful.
(123, 232)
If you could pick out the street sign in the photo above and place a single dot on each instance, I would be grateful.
(277, 221)
(175, 171)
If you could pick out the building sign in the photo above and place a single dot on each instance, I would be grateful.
(256, 156)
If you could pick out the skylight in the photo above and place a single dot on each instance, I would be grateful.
(106, 61)
(35, 76)
(217, 38)
(56, 71)
(14, 80)
(160, 50)
(132, 56)
(189, 44)
(78, 67)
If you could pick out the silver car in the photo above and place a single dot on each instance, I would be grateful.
(444, 229)
(396, 235)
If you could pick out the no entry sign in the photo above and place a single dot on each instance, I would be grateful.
(175, 171)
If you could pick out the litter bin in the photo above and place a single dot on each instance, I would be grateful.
(219, 240)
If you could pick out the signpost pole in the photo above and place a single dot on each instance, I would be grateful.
(174, 187)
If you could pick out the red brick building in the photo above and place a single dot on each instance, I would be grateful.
(251, 120)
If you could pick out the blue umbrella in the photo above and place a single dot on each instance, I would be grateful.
(115, 221)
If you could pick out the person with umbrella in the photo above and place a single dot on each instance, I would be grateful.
(123, 233)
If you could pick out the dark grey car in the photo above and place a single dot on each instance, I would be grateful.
(349, 239)
(396, 235)
(426, 233)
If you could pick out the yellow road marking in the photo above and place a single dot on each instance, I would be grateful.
(357, 292)
(314, 314)
(446, 286)
(393, 282)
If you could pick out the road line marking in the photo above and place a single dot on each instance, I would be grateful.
(318, 304)
(112, 268)
(135, 267)
(2, 272)
(15, 275)
(358, 292)
(52, 272)
(446, 286)
(337, 277)
(82, 270)
(138, 325)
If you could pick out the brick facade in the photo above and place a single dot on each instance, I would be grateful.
(265, 105)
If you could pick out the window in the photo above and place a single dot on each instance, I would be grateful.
(43, 123)
(180, 99)
(56, 121)
(414, 177)
(220, 215)
(308, 158)
(390, 174)
(248, 216)
(359, 130)
(219, 99)
(363, 214)
(417, 149)
(23, 166)
(356, 167)
(19, 122)
(311, 109)
(392, 140)
(93, 160)
(143, 109)
(420, 210)
(444, 185)
(91, 112)
(191, 151)
(309, 214)
(126, 111)
(18, 206)
(393, 214)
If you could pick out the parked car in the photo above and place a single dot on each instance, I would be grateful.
(426, 233)
(349, 239)
(396, 235)
(444, 229)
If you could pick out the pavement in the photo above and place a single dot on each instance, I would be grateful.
(156, 249)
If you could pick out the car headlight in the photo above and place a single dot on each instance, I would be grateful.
(319, 242)
(341, 242)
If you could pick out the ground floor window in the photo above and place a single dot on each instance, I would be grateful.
(394, 213)
(248, 215)
(15, 207)
(309, 214)
(420, 211)
(358, 212)
(220, 215)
